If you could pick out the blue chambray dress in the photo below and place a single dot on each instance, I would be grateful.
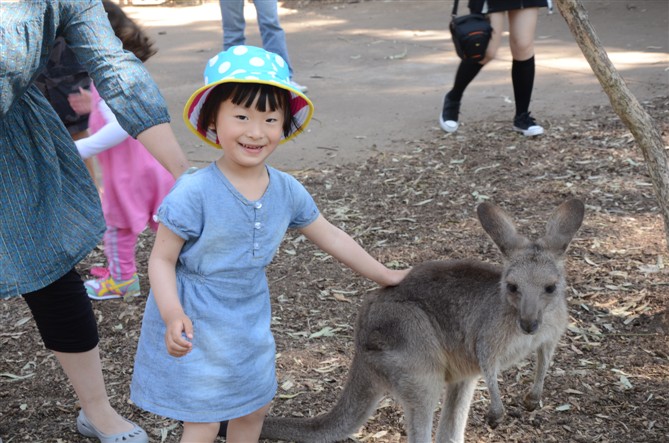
(50, 214)
(222, 286)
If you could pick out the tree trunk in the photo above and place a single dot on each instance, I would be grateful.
(638, 121)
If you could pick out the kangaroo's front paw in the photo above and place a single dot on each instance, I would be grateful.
(531, 401)
(494, 418)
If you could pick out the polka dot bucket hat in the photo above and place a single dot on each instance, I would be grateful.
(247, 64)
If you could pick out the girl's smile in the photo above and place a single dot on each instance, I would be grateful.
(246, 135)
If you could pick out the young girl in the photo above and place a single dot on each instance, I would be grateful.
(134, 183)
(206, 353)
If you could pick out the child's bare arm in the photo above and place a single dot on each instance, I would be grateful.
(162, 274)
(341, 246)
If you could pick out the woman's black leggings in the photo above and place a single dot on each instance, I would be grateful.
(64, 315)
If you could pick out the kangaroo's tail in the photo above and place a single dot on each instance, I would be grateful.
(357, 402)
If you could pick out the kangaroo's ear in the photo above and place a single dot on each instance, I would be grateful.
(500, 228)
(563, 224)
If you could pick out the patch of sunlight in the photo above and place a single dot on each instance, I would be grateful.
(620, 59)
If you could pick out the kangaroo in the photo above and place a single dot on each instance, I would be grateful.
(448, 323)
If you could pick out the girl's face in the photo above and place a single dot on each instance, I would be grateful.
(246, 135)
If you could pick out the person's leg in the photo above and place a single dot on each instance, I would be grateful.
(467, 71)
(271, 32)
(522, 27)
(122, 281)
(120, 246)
(232, 14)
(66, 322)
(200, 432)
(247, 428)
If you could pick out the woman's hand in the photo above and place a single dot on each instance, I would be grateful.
(179, 336)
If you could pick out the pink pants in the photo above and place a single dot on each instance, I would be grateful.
(120, 252)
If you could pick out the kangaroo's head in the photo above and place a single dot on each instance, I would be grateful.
(533, 278)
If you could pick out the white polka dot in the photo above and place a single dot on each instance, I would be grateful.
(213, 60)
(257, 62)
(252, 77)
(224, 67)
(237, 71)
(280, 61)
(206, 80)
(240, 50)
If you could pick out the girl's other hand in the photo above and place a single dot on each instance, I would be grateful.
(179, 336)
(81, 102)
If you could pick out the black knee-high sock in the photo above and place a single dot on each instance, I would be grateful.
(522, 76)
(466, 72)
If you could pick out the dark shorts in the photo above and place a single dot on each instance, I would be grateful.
(506, 5)
(64, 315)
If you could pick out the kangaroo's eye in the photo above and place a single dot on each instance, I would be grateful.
(550, 289)
(512, 288)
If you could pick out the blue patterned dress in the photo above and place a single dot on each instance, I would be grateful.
(222, 287)
(50, 216)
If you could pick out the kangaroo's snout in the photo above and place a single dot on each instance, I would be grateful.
(530, 313)
(529, 326)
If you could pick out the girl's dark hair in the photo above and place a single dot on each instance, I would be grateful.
(270, 98)
(131, 35)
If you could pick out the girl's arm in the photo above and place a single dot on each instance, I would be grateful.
(162, 275)
(110, 135)
(341, 246)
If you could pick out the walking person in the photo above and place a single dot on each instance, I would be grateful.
(206, 338)
(522, 18)
(134, 183)
(272, 34)
(50, 215)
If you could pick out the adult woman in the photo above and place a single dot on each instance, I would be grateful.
(523, 15)
(50, 215)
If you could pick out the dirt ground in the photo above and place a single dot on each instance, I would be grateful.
(609, 382)
(610, 378)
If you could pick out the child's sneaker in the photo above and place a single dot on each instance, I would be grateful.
(526, 125)
(106, 288)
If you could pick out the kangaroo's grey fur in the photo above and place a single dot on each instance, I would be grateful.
(448, 323)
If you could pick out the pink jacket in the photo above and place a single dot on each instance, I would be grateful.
(134, 183)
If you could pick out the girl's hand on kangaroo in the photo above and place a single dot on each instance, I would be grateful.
(179, 336)
(395, 276)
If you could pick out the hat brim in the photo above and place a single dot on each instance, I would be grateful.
(302, 109)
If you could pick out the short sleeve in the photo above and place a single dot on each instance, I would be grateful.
(182, 209)
(305, 210)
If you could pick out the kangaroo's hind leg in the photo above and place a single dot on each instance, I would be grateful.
(419, 394)
(401, 345)
(455, 410)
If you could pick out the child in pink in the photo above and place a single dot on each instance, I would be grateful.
(134, 183)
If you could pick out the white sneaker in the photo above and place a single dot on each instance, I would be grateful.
(299, 87)
(526, 125)
(448, 119)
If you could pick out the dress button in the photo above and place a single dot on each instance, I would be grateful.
(258, 205)
(256, 246)
(257, 225)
